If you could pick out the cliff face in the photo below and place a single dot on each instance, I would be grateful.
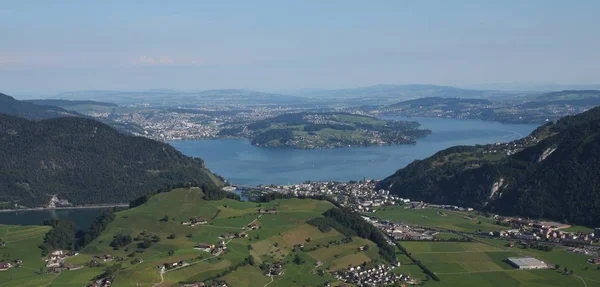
(557, 177)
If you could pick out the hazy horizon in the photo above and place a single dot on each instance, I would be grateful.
(53, 47)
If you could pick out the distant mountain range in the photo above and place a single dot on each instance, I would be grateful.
(554, 173)
(378, 94)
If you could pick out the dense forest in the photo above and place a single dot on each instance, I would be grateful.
(557, 178)
(10, 106)
(86, 162)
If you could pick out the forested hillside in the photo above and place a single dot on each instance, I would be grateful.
(84, 162)
(557, 177)
(11, 106)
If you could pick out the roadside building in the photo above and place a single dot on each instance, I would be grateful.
(527, 263)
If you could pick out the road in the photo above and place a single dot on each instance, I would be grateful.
(162, 272)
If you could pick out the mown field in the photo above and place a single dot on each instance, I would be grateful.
(483, 264)
(451, 220)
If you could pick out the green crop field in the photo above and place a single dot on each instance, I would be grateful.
(452, 220)
(483, 264)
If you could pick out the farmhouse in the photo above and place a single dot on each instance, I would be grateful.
(4, 266)
(205, 246)
(198, 220)
(227, 235)
(527, 263)
(271, 210)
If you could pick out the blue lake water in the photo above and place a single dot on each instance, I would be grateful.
(82, 218)
(241, 163)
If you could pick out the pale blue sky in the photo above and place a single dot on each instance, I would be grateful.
(53, 46)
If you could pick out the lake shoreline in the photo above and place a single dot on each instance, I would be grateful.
(94, 206)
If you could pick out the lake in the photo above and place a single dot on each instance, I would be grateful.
(82, 218)
(244, 164)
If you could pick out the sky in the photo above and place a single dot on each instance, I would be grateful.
(47, 47)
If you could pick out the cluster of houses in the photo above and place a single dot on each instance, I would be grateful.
(56, 259)
(526, 229)
(400, 231)
(276, 269)
(379, 275)
(195, 221)
(358, 196)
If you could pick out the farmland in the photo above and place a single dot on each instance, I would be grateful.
(482, 262)
(275, 239)
(430, 217)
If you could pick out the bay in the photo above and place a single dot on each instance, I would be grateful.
(82, 218)
(244, 164)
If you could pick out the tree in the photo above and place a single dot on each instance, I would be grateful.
(251, 260)
(165, 218)
(172, 236)
(298, 260)
(171, 252)
(557, 266)
(566, 270)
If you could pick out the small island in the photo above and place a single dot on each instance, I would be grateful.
(330, 130)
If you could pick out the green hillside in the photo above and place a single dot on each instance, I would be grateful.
(86, 162)
(162, 216)
(553, 173)
(330, 130)
(11, 106)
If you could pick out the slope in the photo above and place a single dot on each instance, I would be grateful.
(553, 173)
(11, 106)
(85, 162)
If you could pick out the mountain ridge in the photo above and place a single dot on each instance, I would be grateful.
(555, 174)
(86, 162)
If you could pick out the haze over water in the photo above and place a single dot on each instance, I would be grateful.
(241, 163)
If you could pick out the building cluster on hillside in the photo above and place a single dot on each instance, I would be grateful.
(275, 269)
(56, 260)
(379, 275)
(512, 147)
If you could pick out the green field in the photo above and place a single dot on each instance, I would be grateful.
(483, 264)
(22, 243)
(429, 217)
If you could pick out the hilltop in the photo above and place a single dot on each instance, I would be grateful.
(553, 173)
(13, 107)
(84, 161)
(529, 108)
(327, 130)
